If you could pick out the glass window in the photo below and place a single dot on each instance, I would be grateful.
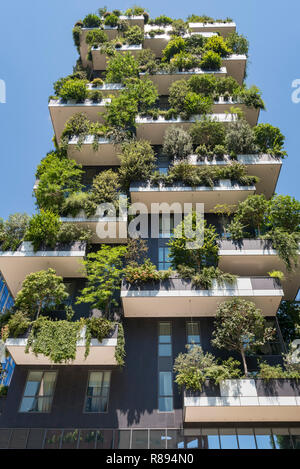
(166, 225)
(193, 333)
(175, 439)
(53, 439)
(246, 438)
(210, 438)
(139, 439)
(157, 439)
(295, 432)
(3, 298)
(282, 439)
(104, 439)
(165, 401)
(164, 262)
(39, 390)
(263, 438)
(164, 340)
(122, 439)
(228, 438)
(69, 439)
(87, 439)
(97, 391)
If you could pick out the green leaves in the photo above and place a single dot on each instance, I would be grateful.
(43, 229)
(74, 89)
(137, 162)
(12, 231)
(120, 67)
(269, 139)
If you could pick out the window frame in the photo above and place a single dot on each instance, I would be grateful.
(24, 387)
(86, 390)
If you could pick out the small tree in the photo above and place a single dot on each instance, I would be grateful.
(137, 162)
(143, 92)
(238, 43)
(177, 143)
(240, 327)
(12, 231)
(208, 133)
(240, 138)
(43, 229)
(252, 211)
(137, 250)
(40, 291)
(190, 367)
(104, 272)
(284, 213)
(120, 67)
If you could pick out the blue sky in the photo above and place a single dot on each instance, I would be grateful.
(37, 48)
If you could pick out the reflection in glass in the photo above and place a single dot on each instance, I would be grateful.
(228, 438)
(139, 439)
(246, 438)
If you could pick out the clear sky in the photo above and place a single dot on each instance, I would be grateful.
(37, 48)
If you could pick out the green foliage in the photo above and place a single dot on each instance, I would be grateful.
(40, 291)
(146, 60)
(269, 139)
(211, 61)
(74, 89)
(195, 43)
(286, 245)
(251, 97)
(77, 126)
(205, 278)
(240, 327)
(97, 82)
(289, 320)
(12, 231)
(143, 92)
(58, 178)
(240, 138)
(277, 274)
(284, 213)
(137, 250)
(203, 84)
(187, 103)
(200, 19)
(177, 144)
(179, 28)
(71, 232)
(95, 96)
(208, 132)
(227, 369)
(203, 254)
(268, 372)
(43, 229)
(135, 11)
(96, 37)
(137, 162)
(76, 202)
(98, 328)
(252, 211)
(104, 270)
(91, 21)
(18, 324)
(146, 272)
(104, 189)
(238, 43)
(120, 353)
(218, 45)
(76, 32)
(161, 20)
(121, 112)
(3, 390)
(184, 61)
(111, 20)
(54, 339)
(173, 47)
(134, 35)
(120, 67)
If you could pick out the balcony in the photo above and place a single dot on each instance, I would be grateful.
(61, 111)
(266, 167)
(101, 353)
(100, 60)
(176, 297)
(105, 155)
(111, 32)
(244, 401)
(16, 265)
(222, 106)
(236, 67)
(160, 41)
(105, 229)
(226, 192)
(163, 80)
(256, 257)
(154, 129)
(224, 29)
(107, 89)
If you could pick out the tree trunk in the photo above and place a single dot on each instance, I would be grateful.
(244, 361)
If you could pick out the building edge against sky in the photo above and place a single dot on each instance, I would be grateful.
(90, 401)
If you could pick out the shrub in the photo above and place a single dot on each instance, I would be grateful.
(177, 143)
(77, 125)
(252, 211)
(137, 162)
(43, 229)
(111, 20)
(143, 92)
(146, 272)
(200, 19)
(71, 232)
(203, 84)
(240, 138)
(18, 324)
(76, 36)
(12, 231)
(134, 35)
(209, 133)
(251, 97)
(195, 43)
(284, 213)
(105, 188)
(267, 372)
(121, 67)
(173, 47)
(98, 328)
(269, 139)
(97, 82)
(161, 21)
(226, 85)
(237, 43)
(184, 61)
(277, 274)
(211, 61)
(91, 21)
(121, 112)
(179, 28)
(95, 96)
(218, 45)
(190, 367)
(135, 11)
(74, 89)
(96, 37)
(76, 202)
(187, 102)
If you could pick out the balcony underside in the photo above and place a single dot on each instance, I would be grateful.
(60, 113)
(101, 354)
(175, 298)
(15, 266)
(254, 258)
(105, 155)
(210, 197)
(163, 81)
(236, 67)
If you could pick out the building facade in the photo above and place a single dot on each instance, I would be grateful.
(95, 403)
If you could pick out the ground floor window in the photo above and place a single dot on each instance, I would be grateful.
(39, 390)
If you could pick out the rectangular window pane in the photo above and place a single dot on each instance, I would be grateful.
(295, 432)
(263, 438)
(193, 333)
(38, 393)
(139, 439)
(165, 383)
(157, 439)
(164, 350)
(246, 438)
(97, 391)
(164, 333)
(228, 438)
(175, 439)
(165, 404)
(122, 439)
(53, 439)
(87, 439)
(282, 438)
(210, 438)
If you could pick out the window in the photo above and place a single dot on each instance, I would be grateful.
(165, 400)
(97, 391)
(193, 333)
(228, 438)
(246, 438)
(164, 262)
(39, 390)
(164, 340)
(165, 375)
(166, 225)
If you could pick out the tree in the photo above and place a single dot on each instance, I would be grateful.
(284, 213)
(252, 211)
(289, 320)
(218, 45)
(208, 132)
(238, 43)
(143, 92)
(57, 179)
(269, 139)
(105, 188)
(104, 272)
(240, 138)
(173, 47)
(177, 144)
(74, 89)
(12, 231)
(240, 327)
(121, 112)
(203, 253)
(137, 162)
(120, 67)
(41, 291)
(43, 229)
(137, 250)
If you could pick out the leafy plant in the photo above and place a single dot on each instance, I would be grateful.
(252, 211)
(120, 67)
(18, 325)
(277, 274)
(289, 320)
(177, 144)
(40, 291)
(186, 102)
(173, 47)
(237, 43)
(240, 327)
(240, 138)
(268, 372)
(141, 273)
(74, 89)
(121, 112)
(91, 21)
(269, 139)
(104, 270)
(211, 61)
(218, 45)
(146, 60)
(96, 37)
(137, 162)
(143, 92)
(111, 20)
(251, 97)
(12, 231)
(137, 250)
(162, 20)
(208, 132)
(105, 188)
(120, 353)
(284, 213)
(43, 229)
(134, 35)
